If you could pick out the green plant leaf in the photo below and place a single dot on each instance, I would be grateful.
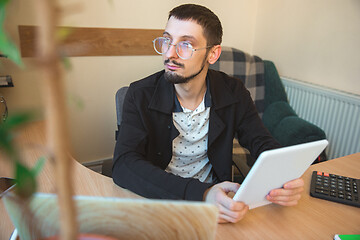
(3, 3)
(7, 47)
(6, 135)
(63, 32)
(6, 143)
(2, 15)
(25, 181)
(67, 63)
(77, 101)
(38, 166)
(18, 119)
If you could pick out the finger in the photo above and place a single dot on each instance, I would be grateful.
(226, 219)
(283, 198)
(230, 204)
(237, 214)
(229, 186)
(223, 218)
(285, 192)
(299, 182)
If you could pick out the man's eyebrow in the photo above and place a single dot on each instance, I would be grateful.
(184, 36)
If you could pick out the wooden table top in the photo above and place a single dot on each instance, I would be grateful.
(311, 219)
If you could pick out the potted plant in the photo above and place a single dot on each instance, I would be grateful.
(49, 64)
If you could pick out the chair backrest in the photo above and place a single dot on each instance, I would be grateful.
(249, 69)
(119, 100)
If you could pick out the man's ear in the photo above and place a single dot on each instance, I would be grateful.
(214, 54)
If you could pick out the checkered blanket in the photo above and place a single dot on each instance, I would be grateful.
(249, 69)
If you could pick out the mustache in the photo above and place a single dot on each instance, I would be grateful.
(174, 63)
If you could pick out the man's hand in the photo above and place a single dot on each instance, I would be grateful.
(229, 210)
(289, 195)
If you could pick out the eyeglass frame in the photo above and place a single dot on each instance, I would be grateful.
(176, 50)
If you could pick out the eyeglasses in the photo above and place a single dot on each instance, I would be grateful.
(183, 49)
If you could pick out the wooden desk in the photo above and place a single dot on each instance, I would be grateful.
(31, 142)
(310, 219)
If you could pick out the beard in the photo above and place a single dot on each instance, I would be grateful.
(175, 78)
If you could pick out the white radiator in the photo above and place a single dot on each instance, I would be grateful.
(335, 112)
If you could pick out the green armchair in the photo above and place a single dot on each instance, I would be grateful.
(279, 118)
(264, 83)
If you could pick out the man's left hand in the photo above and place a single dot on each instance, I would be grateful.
(289, 195)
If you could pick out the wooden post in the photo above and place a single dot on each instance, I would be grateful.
(56, 116)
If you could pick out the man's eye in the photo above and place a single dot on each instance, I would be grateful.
(185, 45)
(167, 40)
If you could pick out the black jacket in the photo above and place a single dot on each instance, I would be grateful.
(144, 146)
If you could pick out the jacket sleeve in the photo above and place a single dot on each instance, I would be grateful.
(132, 168)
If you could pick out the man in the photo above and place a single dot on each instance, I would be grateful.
(175, 139)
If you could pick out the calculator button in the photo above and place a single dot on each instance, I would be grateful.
(324, 192)
(319, 173)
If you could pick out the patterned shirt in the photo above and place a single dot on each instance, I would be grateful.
(189, 154)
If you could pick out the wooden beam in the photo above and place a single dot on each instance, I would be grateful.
(82, 41)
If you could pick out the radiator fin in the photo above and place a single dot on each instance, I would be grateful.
(335, 112)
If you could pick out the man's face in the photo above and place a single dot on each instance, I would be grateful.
(178, 70)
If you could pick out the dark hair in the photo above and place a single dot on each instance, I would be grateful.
(204, 17)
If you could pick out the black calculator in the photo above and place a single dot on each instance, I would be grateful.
(335, 188)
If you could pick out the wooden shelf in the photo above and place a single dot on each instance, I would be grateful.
(83, 41)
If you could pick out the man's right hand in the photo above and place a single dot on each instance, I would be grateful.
(229, 210)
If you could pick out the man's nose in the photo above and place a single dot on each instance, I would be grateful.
(171, 53)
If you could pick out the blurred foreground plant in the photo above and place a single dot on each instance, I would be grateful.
(25, 178)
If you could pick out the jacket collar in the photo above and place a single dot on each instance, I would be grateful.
(221, 93)
(164, 94)
(163, 97)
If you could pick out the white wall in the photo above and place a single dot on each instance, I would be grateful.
(94, 80)
(312, 40)
(317, 41)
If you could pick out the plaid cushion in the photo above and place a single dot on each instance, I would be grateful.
(249, 69)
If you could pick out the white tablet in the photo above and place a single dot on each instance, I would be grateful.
(274, 168)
